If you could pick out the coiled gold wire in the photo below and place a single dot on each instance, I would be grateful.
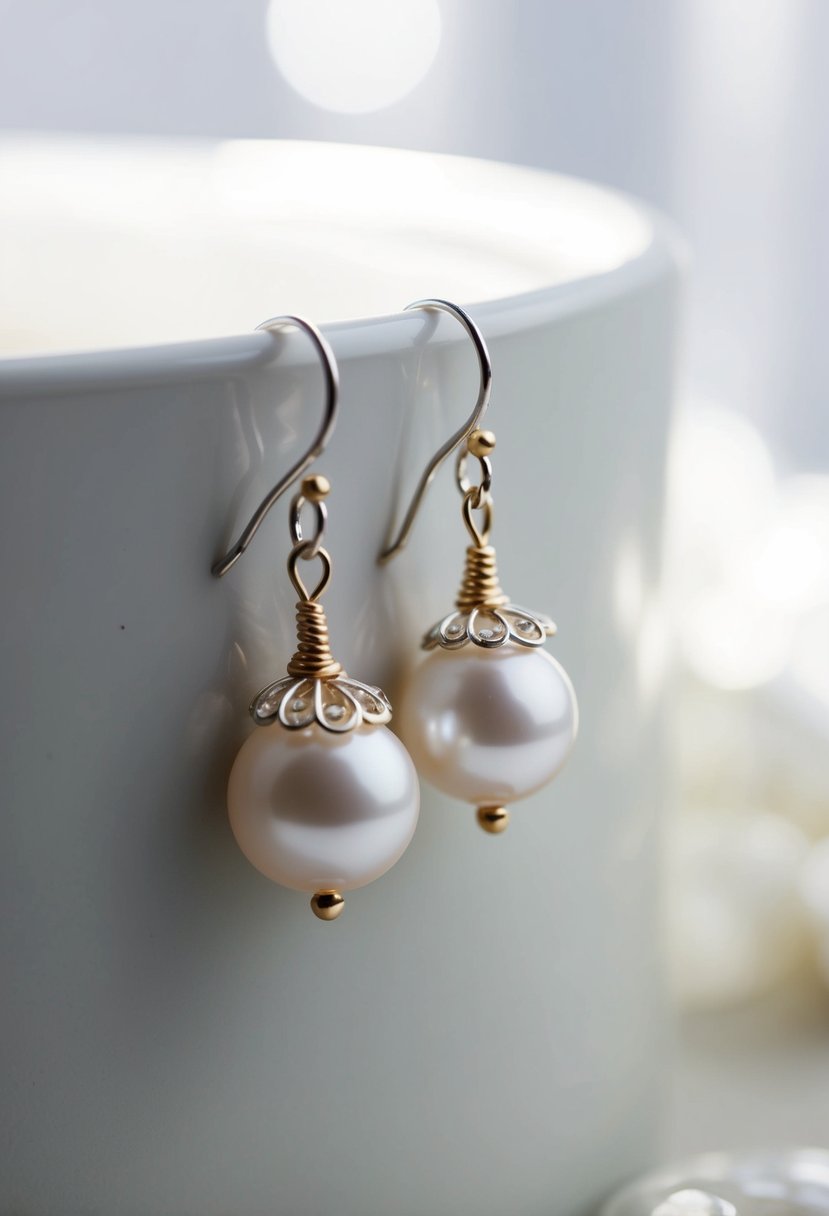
(480, 586)
(313, 657)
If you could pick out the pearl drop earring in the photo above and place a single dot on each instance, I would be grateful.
(323, 798)
(488, 717)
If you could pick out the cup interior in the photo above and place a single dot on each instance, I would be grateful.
(111, 243)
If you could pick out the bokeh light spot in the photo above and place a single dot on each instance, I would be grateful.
(353, 57)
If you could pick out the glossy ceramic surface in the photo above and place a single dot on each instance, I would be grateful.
(482, 1029)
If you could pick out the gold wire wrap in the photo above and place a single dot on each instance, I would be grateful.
(480, 587)
(313, 656)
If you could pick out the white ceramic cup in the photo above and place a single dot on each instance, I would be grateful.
(482, 1031)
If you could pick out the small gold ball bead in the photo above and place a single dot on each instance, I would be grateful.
(315, 488)
(481, 443)
(327, 905)
(493, 819)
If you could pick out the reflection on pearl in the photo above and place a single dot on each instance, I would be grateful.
(316, 811)
(489, 726)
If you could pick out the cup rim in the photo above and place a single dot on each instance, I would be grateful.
(663, 254)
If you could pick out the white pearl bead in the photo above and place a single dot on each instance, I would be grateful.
(489, 726)
(317, 811)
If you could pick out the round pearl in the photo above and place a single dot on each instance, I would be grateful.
(317, 811)
(489, 726)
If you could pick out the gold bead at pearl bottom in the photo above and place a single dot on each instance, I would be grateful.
(327, 905)
(493, 819)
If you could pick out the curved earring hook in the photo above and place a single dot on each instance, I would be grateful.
(332, 394)
(458, 437)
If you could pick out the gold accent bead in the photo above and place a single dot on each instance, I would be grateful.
(327, 905)
(481, 443)
(493, 819)
(315, 488)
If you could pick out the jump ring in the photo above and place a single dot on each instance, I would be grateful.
(311, 546)
(463, 482)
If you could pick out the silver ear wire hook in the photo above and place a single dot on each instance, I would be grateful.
(332, 393)
(462, 433)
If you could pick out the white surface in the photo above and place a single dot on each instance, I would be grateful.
(647, 96)
(181, 1034)
(763, 223)
(753, 1077)
(123, 243)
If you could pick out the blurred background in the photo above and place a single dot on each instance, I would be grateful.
(717, 113)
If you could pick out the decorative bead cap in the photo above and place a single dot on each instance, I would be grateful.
(339, 704)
